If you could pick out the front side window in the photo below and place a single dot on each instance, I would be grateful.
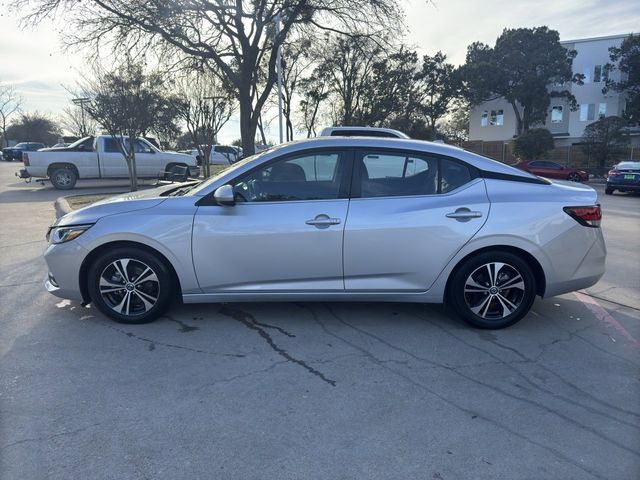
(556, 114)
(311, 176)
(110, 145)
(142, 147)
(497, 117)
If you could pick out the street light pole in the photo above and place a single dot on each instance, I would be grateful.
(279, 62)
(82, 102)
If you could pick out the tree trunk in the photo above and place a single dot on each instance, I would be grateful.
(247, 130)
(518, 118)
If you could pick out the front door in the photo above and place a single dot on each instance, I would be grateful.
(409, 215)
(285, 231)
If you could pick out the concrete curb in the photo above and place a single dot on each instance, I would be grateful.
(62, 207)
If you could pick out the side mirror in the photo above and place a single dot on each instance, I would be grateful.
(224, 196)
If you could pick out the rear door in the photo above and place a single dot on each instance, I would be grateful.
(409, 214)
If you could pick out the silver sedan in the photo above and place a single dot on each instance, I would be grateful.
(353, 219)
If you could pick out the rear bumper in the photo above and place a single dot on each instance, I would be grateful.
(585, 273)
(22, 173)
(627, 187)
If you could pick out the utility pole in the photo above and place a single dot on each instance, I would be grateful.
(82, 102)
(279, 62)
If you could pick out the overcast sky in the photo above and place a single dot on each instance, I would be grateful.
(34, 60)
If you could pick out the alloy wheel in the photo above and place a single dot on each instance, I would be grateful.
(63, 178)
(129, 287)
(574, 177)
(494, 290)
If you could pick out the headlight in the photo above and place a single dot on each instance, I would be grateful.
(66, 234)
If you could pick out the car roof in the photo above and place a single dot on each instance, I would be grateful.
(347, 128)
(478, 161)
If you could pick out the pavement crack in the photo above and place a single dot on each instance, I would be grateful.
(184, 328)
(21, 284)
(250, 322)
(153, 343)
(495, 422)
(48, 437)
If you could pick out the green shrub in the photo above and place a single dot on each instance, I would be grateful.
(532, 144)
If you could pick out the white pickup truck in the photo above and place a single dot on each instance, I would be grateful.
(99, 157)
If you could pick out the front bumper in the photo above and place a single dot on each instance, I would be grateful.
(64, 261)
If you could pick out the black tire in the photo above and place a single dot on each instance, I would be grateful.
(63, 178)
(574, 177)
(491, 302)
(608, 191)
(114, 275)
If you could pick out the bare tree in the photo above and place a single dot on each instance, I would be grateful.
(10, 104)
(125, 102)
(238, 38)
(205, 105)
(76, 123)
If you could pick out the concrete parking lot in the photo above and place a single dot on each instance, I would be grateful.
(314, 390)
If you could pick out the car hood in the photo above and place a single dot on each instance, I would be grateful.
(122, 203)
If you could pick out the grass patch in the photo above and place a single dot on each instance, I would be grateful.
(79, 201)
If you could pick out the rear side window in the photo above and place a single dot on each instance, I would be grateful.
(399, 174)
(452, 175)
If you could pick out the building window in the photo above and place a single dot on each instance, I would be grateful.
(497, 117)
(484, 120)
(602, 110)
(586, 71)
(597, 74)
(587, 111)
(556, 114)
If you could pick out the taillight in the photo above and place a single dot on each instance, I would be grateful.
(613, 172)
(25, 159)
(587, 216)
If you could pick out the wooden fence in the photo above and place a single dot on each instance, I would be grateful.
(571, 156)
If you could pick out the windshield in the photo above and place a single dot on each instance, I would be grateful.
(628, 166)
(21, 145)
(230, 168)
(79, 142)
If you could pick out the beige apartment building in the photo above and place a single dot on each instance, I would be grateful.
(495, 120)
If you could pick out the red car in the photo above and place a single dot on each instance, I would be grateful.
(545, 168)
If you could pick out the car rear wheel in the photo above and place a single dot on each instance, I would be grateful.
(574, 177)
(608, 191)
(493, 290)
(63, 178)
(130, 285)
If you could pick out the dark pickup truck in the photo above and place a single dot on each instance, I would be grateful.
(10, 154)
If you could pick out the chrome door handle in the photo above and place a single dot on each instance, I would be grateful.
(323, 221)
(464, 214)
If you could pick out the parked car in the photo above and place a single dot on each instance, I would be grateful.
(624, 177)
(362, 132)
(549, 169)
(101, 158)
(15, 153)
(357, 219)
(219, 155)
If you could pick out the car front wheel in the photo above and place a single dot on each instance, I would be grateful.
(493, 290)
(130, 285)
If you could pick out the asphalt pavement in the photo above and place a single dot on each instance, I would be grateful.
(314, 390)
